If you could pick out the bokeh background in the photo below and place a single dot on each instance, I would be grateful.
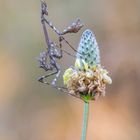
(30, 110)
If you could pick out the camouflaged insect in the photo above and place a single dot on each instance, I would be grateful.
(87, 79)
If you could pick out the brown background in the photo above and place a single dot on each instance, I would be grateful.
(30, 110)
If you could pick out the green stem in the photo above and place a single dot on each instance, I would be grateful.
(85, 120)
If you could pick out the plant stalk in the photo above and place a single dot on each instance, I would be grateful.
(85, 120)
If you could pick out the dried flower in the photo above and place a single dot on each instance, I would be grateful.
(88, 84)
(88, 79)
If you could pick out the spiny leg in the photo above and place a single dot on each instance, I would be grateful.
(42, 78)
(53, 83)
(65, 90)
(73, 28)
(60, 34)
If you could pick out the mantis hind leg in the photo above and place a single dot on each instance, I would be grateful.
(42, 78)
(56, 73)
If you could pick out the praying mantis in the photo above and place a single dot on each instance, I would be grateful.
(48, 59)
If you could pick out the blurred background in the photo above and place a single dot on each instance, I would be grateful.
(30, 110)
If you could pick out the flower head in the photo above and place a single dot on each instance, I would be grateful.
(87, 79)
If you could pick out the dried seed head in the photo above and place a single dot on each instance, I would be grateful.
(87, 80)
(85, 86)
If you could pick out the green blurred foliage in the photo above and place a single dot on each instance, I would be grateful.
(30, 110)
